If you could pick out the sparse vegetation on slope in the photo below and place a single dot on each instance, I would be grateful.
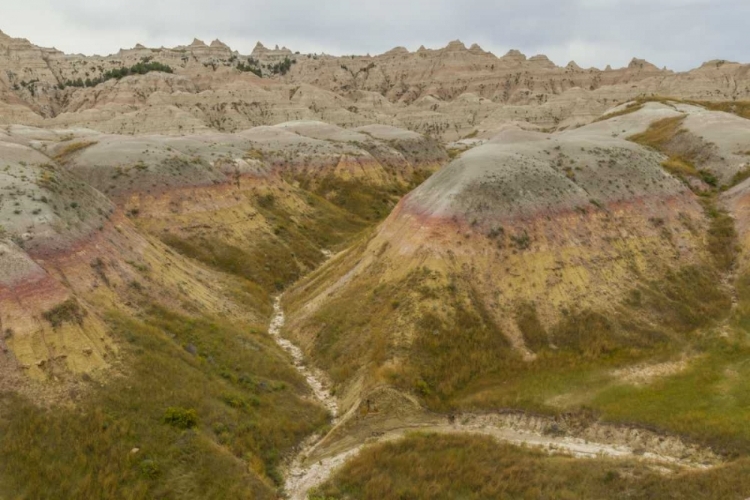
(280, 257)
(205, 409)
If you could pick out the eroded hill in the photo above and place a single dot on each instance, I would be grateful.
(537, 270)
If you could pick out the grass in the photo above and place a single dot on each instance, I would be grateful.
(722, 236)
(629, 108)
(441, 466)
(279, 257)
(680, 167)
(740, 176)
(367, 201)
(660, 133)
(710, 401)
(214, 424)
(73, 148)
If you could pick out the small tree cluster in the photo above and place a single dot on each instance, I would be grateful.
(141, 68)
(252, 66)
(282, 68)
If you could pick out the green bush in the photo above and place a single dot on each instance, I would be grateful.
(149, 469)
(181, 418)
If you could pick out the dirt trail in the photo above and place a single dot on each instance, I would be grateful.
(596, 440)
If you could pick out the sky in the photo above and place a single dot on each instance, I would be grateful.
(678, 34)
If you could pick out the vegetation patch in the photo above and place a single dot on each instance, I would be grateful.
(660, 133)
(367, 201)
(140, 68)
(67, 312)
(279, 257)
(73, 148)
(680, 167)
(628, 109)
(740, 176)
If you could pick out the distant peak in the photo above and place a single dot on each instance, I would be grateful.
(259, 46)
(476, 49)
(636, 63)
(139, 46)
(540, 60)
(514, 55)
(197, 43)
(455, 45)
(219, 44)
(572, 65)
(397, 51)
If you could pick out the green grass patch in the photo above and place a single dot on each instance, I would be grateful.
(709, 402)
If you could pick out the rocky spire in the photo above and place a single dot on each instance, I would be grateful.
(218, 44)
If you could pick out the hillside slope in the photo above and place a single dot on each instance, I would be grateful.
(136, 283)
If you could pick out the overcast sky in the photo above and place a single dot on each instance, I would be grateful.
(679, 34)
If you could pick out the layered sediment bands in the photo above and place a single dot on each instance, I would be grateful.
(91, 221)
(532, 243)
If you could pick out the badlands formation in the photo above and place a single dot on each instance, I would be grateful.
(441, 240)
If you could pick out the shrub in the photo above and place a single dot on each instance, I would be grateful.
(67, 312)
(181, 418)
(149, 469)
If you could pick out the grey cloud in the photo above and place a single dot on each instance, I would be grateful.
(679, 34)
